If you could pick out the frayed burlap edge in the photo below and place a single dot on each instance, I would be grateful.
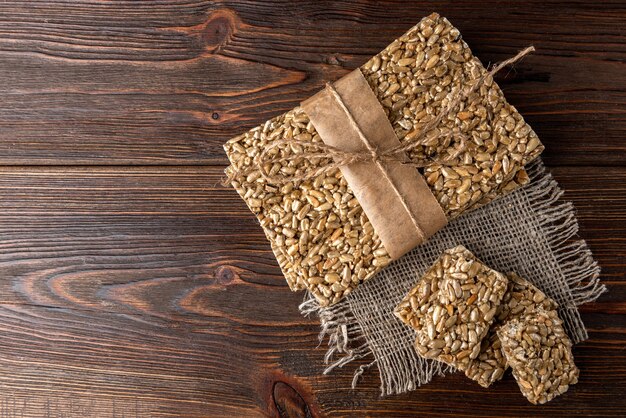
(557, 221)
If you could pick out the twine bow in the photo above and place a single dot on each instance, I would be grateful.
(342, 158)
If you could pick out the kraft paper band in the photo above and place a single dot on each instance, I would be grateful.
(395, 197)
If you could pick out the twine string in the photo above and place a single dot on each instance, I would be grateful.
(374, 155)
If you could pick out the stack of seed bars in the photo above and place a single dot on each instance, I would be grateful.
(480, 321)
(321, 237)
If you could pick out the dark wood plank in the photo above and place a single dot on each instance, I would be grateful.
(143, 366)
(153, 291)
(167, 82)
(63, 222)
(61, 362)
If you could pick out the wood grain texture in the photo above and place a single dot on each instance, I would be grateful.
(167, 82)
(155, 289)
(132, 284)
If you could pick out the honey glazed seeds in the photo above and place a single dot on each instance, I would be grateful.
(452, 307)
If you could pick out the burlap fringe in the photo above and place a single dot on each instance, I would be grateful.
(347, 342)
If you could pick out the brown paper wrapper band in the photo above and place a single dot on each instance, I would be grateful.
(394, 196)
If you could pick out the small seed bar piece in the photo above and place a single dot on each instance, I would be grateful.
(453, 306)
(540, 355)
(520, 299)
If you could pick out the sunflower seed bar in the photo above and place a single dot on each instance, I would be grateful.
(520, 299)
(414, 78)
(319, 233)
(452, 307)
(540, 355)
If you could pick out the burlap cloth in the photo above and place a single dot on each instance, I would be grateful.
(530, 231)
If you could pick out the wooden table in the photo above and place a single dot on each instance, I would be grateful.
(132, 284)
